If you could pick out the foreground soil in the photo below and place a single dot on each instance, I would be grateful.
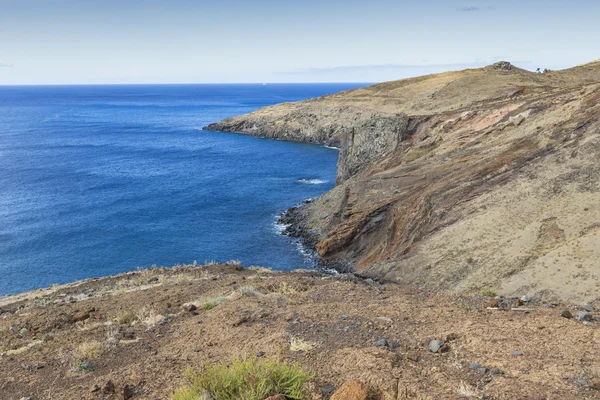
(132, 336)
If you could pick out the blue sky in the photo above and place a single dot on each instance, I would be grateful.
(195, 41)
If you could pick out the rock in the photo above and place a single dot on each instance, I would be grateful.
(579, 380)
(81, 316)
(381, 343)
(328, 390)
(588, 307)
(451, 337)
(351, 390)
(525, 299)
(95, 389)
(516, 303)
(595, 384)
(277, 397)
(492, 302)
(129, 392)
(190, 307)
(516, 353)
(435, 346)
(167, 305)
(445, 348)
(474, 366)
(534, 299)
(566, 314)
(584, 316)
(502, 65)
(109, 387)
(588, 323)
(393, 345)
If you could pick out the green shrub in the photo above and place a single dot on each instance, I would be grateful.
(83, 366)
(245, 379)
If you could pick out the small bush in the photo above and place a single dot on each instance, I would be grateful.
(489, 293)
(126, 317)
(208, 305)
(245, 379)
(83, 366)
(249, 291)
(89, 350)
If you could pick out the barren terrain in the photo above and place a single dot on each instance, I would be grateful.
(138, 332)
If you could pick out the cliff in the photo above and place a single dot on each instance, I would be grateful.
(483, 178)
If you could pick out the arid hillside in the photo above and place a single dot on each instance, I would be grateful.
(132, 337)
(483, 178)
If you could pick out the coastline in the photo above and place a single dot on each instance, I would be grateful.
(295, 221)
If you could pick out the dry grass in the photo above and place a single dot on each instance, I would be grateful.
(465, 390)
(125, 318)
(149, 317)
(249, 291)
(89, 350)
(298, 344)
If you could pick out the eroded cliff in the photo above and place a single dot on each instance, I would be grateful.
(463, 180)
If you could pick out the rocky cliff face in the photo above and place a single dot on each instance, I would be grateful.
(464, 180)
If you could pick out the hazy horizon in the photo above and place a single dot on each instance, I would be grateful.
(56, 42)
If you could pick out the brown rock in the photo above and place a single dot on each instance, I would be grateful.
(128, 392)
(167, 305)
(109, 387)
(351, 390)
(595, 384)
(451, 337)
(81, 316)
(277, 397)
(190, 307)
(566, 314)
(491, 302)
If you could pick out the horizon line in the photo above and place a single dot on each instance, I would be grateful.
(186, 83)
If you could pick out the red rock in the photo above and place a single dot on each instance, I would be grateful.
(491, 302)
(351, 390)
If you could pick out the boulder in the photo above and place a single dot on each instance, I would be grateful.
(351, 390)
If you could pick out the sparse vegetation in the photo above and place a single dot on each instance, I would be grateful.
(83, 366)
(247, 379)
(89, 350)
(299, 344)
(249, 291)
(149, 317)
(489, 293)
(126, 317)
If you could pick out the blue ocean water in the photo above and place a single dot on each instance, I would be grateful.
(96, 180)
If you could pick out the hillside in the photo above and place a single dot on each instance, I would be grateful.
(132, 336)
(483, 178)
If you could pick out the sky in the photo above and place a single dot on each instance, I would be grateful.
(231, 41)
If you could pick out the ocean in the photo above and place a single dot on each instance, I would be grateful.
(97, 180)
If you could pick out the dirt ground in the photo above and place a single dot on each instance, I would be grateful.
(132, 336)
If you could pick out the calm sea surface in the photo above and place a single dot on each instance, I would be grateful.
(96, 180)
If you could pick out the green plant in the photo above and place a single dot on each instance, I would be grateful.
(83, 366)
(208, 305)
(245, 379)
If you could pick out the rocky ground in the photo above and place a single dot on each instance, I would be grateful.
(466, 180)
(131, 336)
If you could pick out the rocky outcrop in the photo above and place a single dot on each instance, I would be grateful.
(482, 178)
